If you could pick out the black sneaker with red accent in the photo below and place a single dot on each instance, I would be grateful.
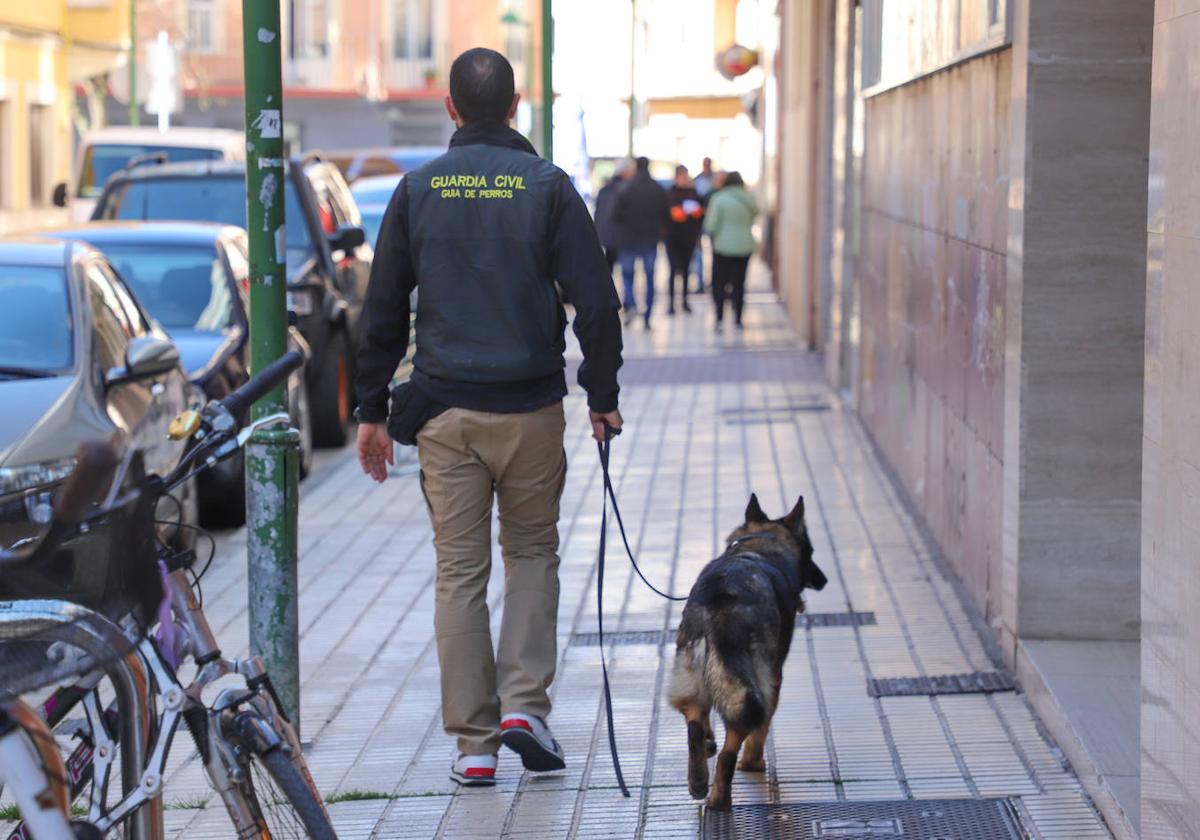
(530, 738)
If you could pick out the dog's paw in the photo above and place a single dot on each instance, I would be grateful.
(752, 765)
(719, 803)
(698, 788)
(710, 747)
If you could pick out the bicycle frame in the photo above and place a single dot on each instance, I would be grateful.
(97, 637)
(150, 701)
(237, 715)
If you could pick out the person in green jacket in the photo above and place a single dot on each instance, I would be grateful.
(728, 220)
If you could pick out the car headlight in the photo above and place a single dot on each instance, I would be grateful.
(300, 301)
(18, 479)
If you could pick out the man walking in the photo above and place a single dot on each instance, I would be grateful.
(686, 215)
(483, 234)
(641, 213)
(606, 199)
(704, 187)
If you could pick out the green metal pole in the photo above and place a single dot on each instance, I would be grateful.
(272, 455)
(548, 79)
(134, 110)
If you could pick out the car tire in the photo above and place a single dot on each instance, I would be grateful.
(184, 536)
(224, 506)
(301, 411)
(332, 397)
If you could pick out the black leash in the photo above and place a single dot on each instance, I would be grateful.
(610, 495)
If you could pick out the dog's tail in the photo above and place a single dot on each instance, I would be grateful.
(733, 677)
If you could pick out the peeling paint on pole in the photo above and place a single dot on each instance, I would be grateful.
(272, 455)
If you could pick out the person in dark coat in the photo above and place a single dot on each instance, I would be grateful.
(494, 239)
(682, 235)
(641, 213)
(606, 228)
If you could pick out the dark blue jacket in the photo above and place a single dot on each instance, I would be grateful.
(488, 234)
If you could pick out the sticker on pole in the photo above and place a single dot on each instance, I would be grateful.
(266, 195)
(268, 123)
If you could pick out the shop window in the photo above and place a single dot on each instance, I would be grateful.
(412, 29)
(201, 26)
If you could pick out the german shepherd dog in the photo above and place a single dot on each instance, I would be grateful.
(733, 640)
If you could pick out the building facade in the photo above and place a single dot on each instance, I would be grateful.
(356, 73)
(987, 226)
(46, 49)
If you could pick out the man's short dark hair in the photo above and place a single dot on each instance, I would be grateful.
(681, 170)
(481, 86)
(643, 164)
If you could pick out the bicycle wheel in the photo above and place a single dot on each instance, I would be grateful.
(287, 807)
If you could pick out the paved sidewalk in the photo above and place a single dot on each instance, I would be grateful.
(709, 419)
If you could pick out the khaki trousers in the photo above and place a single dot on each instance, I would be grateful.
(466, 458)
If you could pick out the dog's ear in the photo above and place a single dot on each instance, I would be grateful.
(754, 512)
(795, 518)
(814, 577)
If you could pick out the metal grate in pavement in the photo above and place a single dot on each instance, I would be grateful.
(715, 368)
(660, 637)
(835, 619)
(624, 637)
(977, 682)
(932, 819)
(780, 409)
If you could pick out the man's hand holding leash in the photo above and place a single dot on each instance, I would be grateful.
(605, 426)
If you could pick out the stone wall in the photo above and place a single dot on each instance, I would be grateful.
(932, 284)
(1170, 711)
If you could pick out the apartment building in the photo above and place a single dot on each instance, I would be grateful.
(355, 72)
(46, 49)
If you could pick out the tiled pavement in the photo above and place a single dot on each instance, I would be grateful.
(709, 419)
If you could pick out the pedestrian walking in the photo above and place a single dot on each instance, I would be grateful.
(484, 233)
(641, 213)
(704, 181)
(704, 187)
(728, 220)
(682, 235)
(606, 199)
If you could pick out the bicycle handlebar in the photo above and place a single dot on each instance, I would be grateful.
(94, 469)
(261, 383)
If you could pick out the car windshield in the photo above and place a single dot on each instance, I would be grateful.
(372, 218)
(212, 199)
(100, 161)
(35, 321)
(183, 287)
(374, 193)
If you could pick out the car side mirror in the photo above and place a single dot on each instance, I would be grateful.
(347, 238)
(60, 194)
(147, 356)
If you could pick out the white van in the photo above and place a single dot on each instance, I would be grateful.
(108, 150)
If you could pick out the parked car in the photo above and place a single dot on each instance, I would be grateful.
(193, 278)
(372, 195)
(106, 151)
(328, 260)
(363, 163)
(80, 360)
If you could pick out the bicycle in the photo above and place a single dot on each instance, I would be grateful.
(246, 743)
(47, 642)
